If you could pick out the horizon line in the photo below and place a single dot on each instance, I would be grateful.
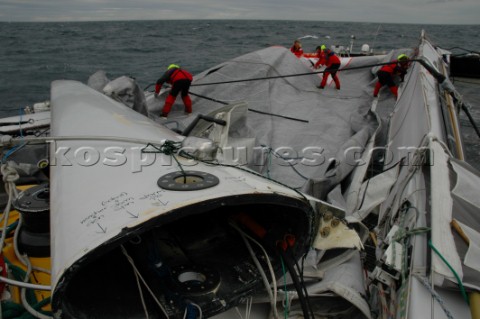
(236, 19)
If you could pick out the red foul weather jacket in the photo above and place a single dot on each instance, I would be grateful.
(172, 76)
(393, 68)
(298, 52)
(327, 58)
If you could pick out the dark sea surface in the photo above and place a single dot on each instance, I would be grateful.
(35, 54)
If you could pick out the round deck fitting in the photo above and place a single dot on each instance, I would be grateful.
(187, 181)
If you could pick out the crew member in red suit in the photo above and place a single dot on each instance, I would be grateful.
(180, 81)
(297, 48)
(328, 58)
(320, 55)
(387, 72)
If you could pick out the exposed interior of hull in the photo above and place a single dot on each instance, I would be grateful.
(198, 259)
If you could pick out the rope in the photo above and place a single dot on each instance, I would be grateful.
(137, 273)
(283, 76)
(169, 148)
(402, 233)
(277, 115)
(208, 98)
(292, 75)
(10, 174)
(385, 310)
(272, 296)
(460, 48)
(270, 152)
(435, 296)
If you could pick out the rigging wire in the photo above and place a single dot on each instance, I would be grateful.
(273, 296)
(277, 115)
(292, 75)
(288, 75)
(434, 294)
(132, 263)
(463, 49)
(286, 302)
(140, 292)
(463, 81)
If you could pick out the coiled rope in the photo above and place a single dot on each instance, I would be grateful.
(169, 148)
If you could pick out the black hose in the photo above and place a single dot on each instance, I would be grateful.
(277, 115)
(296, 283)
(207, 98)
(302, 281)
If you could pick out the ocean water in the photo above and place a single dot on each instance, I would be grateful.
(35, 54)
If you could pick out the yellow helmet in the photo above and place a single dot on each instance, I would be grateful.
(323, 47)
(171, 66)
(402, 57)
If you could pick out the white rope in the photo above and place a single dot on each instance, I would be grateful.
(130, 260)
(142, 299)
(25, 303)
(196, 306)
(9, 178)
(24, 284)
(273, 297)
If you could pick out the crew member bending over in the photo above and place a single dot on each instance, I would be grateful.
(180, 81)
(387, 72)
(328, 58)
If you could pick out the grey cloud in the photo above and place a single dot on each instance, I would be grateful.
(378, 11)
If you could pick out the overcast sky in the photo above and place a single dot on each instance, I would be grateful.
(382, 11)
